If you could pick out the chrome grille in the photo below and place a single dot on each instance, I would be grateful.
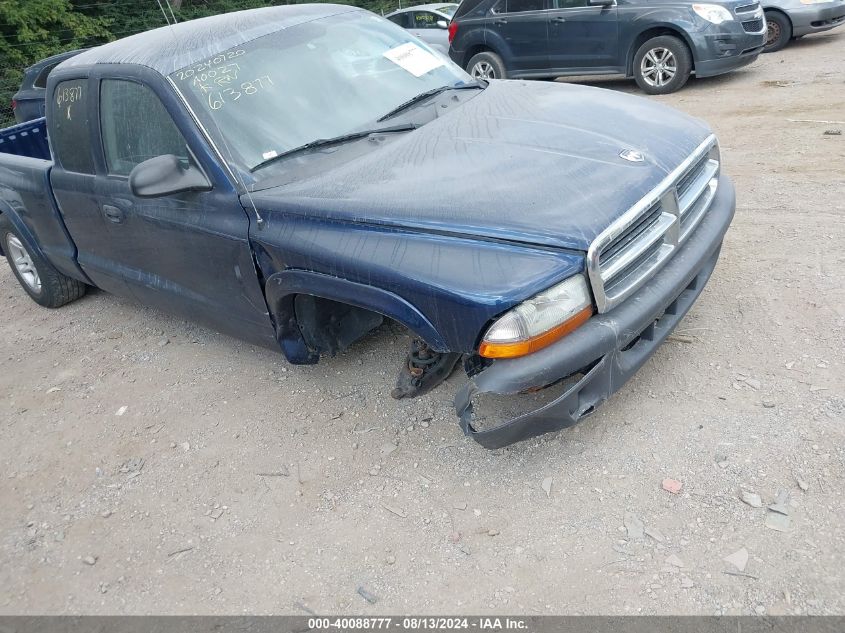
(634, 247)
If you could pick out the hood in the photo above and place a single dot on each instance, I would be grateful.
(529, 162)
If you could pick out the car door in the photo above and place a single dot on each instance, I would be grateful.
(188, 252)
(426, 26)
(73, 179)
(583, 36)
(522, 26)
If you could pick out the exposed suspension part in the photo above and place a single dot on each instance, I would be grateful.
(423, 370)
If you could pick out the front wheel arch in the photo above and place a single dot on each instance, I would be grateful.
(282, 289)
(651, 33)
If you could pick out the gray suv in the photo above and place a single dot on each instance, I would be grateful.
(657, 42)
(791, 19)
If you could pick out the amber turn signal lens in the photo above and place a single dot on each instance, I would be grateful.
(522, 348)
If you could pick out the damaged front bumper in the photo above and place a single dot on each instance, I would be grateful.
(609, 348)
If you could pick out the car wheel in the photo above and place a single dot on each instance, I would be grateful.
(487, 65)
(662, 65)
(46, 285)
(778, 31)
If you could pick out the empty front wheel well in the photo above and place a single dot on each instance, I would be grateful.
(334, 312)
(329, 327)
(645, 36)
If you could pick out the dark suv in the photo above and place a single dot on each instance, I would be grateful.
(28, 102)
(657, 42)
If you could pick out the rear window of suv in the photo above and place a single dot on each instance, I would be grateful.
(467, 6)
(41, 79)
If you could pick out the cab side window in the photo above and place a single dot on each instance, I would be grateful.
(69, 127)
(569, 4)
(135, 126)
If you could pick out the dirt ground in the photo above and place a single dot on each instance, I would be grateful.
(236, 483)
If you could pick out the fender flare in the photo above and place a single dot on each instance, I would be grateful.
(282, 287)
(7, 212)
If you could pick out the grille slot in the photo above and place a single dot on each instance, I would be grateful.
(624, 240)
(688, 179)
(626, 254)
(636, 244)
(649, 257)
(753, 26)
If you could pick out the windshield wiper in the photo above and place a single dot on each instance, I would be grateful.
(336, 140)
(425, 95)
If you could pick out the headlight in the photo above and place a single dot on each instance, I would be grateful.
(540, 321)
(713, 13)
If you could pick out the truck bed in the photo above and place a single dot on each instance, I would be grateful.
(26, 197)
(26, 139)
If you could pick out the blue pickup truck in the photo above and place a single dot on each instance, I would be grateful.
(296, 174)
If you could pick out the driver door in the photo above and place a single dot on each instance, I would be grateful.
(188, 252)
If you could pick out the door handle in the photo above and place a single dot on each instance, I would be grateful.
(113, 214)
(500, 21)
(559, 19)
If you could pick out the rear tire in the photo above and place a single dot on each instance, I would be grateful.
(487, 65)
(41, 281)
(662, 65)
(778, 31)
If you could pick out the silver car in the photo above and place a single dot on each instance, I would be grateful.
(789, 19)
(429, 22)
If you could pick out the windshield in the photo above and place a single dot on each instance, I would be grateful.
(448, 9)
(317, 80)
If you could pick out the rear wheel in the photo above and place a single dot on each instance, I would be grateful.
(778, 31)
(42, 282)
(662, 65)
(487, 65)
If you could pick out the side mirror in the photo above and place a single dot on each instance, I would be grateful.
(601, 3)
(442, 24)
(165, 175)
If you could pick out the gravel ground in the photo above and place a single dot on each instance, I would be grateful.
(152, 466)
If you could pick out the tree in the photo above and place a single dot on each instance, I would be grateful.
(35, 29)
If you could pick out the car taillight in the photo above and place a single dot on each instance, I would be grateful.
(14, 104)
(453, 29)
